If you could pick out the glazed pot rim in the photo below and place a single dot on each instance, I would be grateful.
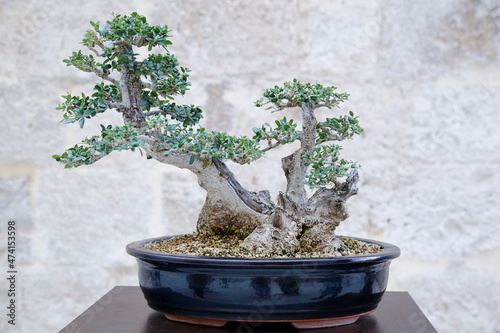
(137, 249)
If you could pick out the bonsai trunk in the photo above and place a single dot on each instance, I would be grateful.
(299, 221)
(229, 209)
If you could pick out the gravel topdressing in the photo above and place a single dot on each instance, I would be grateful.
(229, 246)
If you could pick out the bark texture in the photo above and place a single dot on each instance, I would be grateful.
(298, 221)
(309, 226)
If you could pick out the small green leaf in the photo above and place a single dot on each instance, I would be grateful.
(95, 25)
(192, 159)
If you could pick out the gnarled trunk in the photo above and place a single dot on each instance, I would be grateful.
(224, 211)
(299, 222)
(310, 227)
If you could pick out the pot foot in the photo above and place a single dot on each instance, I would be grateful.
(328, 322)
(322, 323)
(197, 321)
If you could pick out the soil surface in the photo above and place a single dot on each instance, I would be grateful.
(229, 246)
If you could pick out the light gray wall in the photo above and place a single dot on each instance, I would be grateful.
(423, 76)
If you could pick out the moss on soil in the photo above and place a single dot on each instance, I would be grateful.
(229, 246)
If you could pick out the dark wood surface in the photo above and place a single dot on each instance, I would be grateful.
(124, 310)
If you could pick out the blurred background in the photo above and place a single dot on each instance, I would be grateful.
(424, 78)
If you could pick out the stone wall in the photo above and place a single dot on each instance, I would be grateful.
(423, 76)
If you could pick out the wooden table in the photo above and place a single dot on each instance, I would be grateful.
(124, 310)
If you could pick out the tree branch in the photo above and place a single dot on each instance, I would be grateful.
(349, 187)
(148, 85)
(107, 78)
(294, 165)
(118, 106)
(339, 194)
(327, 104)
(94, 50)
(245, 196)
(99, 73)
(152, 113)
(331, 136)
(272, 146)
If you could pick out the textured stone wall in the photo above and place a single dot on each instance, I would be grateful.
(424, 78)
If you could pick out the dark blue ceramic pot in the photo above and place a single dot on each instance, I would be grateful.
(310, 292)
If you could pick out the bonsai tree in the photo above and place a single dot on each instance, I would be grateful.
(142, 88)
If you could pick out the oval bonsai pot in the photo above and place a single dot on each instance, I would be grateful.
(308, 292)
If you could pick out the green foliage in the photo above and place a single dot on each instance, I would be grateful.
(165, 73)
(187, 115)
(325, 166)
(79, 108)
(239, 149)
(197, 142)
(111, 138)
(293, 94)
(112, 51)
(132, 29)
(285, 132)
(343, 127)
(86, 63)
